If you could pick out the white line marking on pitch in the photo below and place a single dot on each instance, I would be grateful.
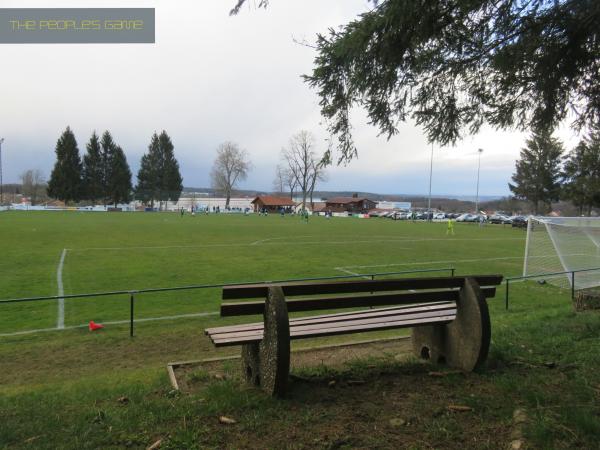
(322, 242)
(276, 238)
(60, 321)
(433, 262)
(341, 269)
(116, 322)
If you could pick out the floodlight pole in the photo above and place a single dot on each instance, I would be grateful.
(479, 151)
(430, 176)
(1, 184)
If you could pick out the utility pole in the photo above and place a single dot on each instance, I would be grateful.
(479, 151)
(430, 175)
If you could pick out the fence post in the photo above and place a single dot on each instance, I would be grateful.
(506, 294)
(452, 271)
(573, 285)
(131, 301)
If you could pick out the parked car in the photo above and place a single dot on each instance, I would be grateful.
(519, 221)
(439, 216)
(499, 218)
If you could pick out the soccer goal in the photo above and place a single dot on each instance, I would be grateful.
(558, 244)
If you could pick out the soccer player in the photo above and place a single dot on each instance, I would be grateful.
(450, 229)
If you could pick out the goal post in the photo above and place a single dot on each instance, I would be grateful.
(560, 244)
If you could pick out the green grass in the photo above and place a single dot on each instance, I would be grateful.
(61, 389)
(107, 252)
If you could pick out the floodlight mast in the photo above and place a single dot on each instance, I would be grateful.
(430, 175)
(479, 151)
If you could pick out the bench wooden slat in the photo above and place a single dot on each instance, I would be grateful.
(356, 301)
(351, 315)
(340, 323)
(345, 287)
(303, 334)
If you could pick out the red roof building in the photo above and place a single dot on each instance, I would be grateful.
(350, 204)
(272, 203)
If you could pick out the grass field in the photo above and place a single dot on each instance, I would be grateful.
(60, 389)
(106, 252)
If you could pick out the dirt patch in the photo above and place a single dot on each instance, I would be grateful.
(190, 375)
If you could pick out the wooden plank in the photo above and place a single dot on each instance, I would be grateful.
(345, 287)
(355, 301)
(347, 330)
(353, 315)
(359, 321)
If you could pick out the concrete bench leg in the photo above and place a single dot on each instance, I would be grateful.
(463, 343)
(267, 364)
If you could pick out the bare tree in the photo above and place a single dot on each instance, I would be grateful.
(303, 164)
(230, 166)
(290, 181)
(34, 184)
(317, 174)
(279, 181)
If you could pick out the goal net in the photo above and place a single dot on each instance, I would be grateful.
(559, 244)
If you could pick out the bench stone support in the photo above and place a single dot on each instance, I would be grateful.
(463, 343)
(267, 364)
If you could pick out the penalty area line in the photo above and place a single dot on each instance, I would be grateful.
(114, 322)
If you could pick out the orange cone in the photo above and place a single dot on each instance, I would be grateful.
(93, 326)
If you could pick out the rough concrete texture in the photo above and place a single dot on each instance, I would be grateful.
(267, 364)
(463, 343)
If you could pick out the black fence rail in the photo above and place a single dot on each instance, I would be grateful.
(571, 274)
(131, 293)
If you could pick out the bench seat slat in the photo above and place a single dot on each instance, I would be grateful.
(345, 287)
(355, 301)
(358, 320)
(352, 315)
(303, 334)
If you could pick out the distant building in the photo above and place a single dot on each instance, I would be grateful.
(272, 203)
(349, 204)
(394, 205)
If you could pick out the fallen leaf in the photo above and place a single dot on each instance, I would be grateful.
(123, 400)
(459, 408)
(331, 383)
(155, 445)
(226, 420)
(397, 422)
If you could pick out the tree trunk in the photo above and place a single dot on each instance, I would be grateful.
(228, 196)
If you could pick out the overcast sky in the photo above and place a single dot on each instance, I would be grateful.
(211, 78)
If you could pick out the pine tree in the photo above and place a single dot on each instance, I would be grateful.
(106, 155)
(116, 185)
(537, 176)
(172, 180)
(93, 173)
(65, 180)
(159, 177)
(119, 183)
(582, 174)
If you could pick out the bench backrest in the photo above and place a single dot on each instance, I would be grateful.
(396, 292)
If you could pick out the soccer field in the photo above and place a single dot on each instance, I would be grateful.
(95, 252)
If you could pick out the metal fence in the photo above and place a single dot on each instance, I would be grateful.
(571, 273)
(131, 294)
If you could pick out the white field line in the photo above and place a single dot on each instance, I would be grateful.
(277, 238)
(416, 263)
(449, 261)
(269, 242)
(115, 322)
(60, 320)
(341, 269)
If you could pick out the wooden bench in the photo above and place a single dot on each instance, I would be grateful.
(449, 317)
